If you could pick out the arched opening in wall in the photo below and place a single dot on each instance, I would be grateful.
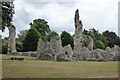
(84, 44)
(66, 52)
(81, 43)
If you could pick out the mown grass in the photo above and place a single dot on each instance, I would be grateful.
(6, 57)
(54, 69)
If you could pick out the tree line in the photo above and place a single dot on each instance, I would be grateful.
(27, 39)
(39, 28)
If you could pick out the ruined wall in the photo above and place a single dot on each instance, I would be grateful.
(53, 50)
(79, 37)
(11, 42)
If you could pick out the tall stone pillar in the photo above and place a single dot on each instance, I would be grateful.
(78, 32)
(11, 41)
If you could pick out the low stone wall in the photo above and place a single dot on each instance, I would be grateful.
(84, 54)
(109, 54)
(29, 53)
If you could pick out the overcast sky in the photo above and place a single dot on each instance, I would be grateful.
(99, 14)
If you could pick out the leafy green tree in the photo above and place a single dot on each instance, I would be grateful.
(7, 16)
(104, 41)
(112, 38)
(42, 26)
(98, 38)
(67, 39)
(117, 41)
(19, 47)
(31, 40)
(5, 40)
(0, 43)
(4, 49)
(4, 45)
(20, 39)
(21, 36)
(7, 13)
(99, 44)
(51, 34)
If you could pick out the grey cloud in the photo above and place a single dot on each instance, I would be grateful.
(21, 20)
(100, 14)
(119, 18)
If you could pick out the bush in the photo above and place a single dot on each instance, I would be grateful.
(19, 47)
(4, 49)
(67, 39)
(99, 44)
(31, 40)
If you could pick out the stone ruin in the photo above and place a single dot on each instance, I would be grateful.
(54, 51)
(11, 44)
(79, 37)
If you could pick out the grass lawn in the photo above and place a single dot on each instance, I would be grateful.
(5, 57)
(53, 69)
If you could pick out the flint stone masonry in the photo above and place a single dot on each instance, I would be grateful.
(112, 54)
(11, 42)
(55, 45)
(79, 37)
(49, 50)
(67, 54)
(54, 51)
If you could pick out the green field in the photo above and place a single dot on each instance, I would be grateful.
(52, 69)
(6, 57)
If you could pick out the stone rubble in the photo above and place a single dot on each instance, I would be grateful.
(54, 51)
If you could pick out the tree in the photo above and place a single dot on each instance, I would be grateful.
(20, 39)
(7, 13)
(4, 45)
(0, 43)
(112, 38)
(31, 40)
(51, 34)
(21, 36)
(117, 41)
(99, 44)
(67, 39)
(98, 38)
(42, 27)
